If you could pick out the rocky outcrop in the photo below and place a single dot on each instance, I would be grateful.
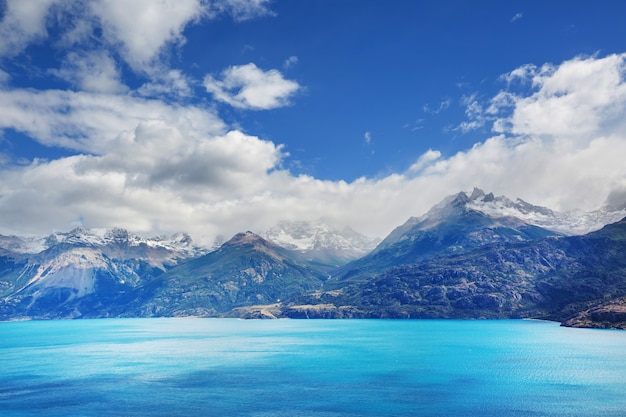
(611, 315)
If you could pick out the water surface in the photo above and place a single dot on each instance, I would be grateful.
(224, 367)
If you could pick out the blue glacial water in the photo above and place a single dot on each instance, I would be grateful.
(223, 367)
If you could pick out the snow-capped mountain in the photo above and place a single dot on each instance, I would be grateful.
(179, 243)
(451, 227)
(575, 222)
(460, 214)
(320, 241)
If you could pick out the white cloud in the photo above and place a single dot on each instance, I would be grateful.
(524, 73)
(89, 122)
(368, 137)
(517, 17)
(140, 31)
(156, 155)
(474, 112)
(425, 160)
(575, 99)
(93, 72)
(172, 82)
(23, 23)
(143, 27)
(249, 87)
(563, 136)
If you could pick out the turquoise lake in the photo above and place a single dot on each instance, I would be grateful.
(224, 367)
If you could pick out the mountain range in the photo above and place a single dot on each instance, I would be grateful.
(473, 255)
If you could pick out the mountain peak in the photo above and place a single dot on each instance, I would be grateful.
(251, 241)
(247, 237)
(478, 193)
(465, 221)
(460, 200)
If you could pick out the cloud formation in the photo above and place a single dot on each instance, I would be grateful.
(23, 23)
(140, 31)
(168, 174)
(249, 87)
(151, 159)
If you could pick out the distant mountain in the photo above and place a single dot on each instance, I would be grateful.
(179, 243)
(245, 270)
(81, 273)
(451, 227)
(320, 243)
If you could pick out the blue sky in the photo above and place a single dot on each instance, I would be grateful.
(213, 117)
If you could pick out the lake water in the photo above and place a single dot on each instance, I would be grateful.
(223, 367)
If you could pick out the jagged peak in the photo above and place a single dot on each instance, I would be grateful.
(460, 199)
(489, 198)
(477, 193)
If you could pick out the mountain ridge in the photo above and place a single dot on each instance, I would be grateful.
(458, 260)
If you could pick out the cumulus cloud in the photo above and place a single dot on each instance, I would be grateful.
(558, 142)
(575, 99)
(142, 28)
(249, 87)
(89, 122)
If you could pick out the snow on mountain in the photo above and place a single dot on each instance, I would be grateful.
(454, 225)
(311, 236)
(575, 222)
(180, 243)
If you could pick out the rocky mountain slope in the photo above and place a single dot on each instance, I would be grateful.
(578, 280)
(245, 270)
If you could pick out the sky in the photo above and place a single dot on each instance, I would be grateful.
(213, 117)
